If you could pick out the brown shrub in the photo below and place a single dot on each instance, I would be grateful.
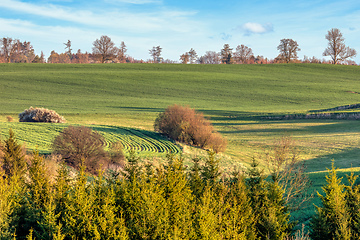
(188, 126)
(40, 115)
(77, 144)
(9, 118)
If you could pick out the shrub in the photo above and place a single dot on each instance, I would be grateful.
(188, 126)
(116, 154)
(77, 144)
(40, 115)
(9, 118)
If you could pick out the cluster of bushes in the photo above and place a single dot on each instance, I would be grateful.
(188, 126)
(40, 115)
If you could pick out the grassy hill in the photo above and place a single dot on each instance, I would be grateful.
(233, 96)
(121, 101)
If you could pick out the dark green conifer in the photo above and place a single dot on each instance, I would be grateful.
(352, 197)
(210, 172)
(13, 161)
(268, 204)
(195, 181)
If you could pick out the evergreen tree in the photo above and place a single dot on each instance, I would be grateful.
(109, 224)
(276, 218)
(195, 181)
(38, 190)
(268, 204)
(210, 172)
(13, 161)
(332, 220)
(352, 197)
(79, 213)
(7, 203)
(239, 220)
(132, 166)
(207, 218)
(178, 200)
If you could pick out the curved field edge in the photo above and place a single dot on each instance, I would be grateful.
(40, 136)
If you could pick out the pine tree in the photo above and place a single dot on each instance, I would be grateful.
(78, 221)
(268, 204)
(211, 170)
(7, 203)
(195, 181)
(179, 200)
(38, 191)
(13, 161)
(332, 220)
(239, 220)
(207, 218)
(276, 220)
(110, 224)
(352, 197)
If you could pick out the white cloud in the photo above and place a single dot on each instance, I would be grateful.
(258, 28)
(130, 22)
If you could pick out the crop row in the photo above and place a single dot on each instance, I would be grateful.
(40, 136)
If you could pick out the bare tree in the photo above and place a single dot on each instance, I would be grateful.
(184, 58)
(288, 170)
(6, 47)
(288, 50)
(336, 47)
(243, 54)
(122, 52)
(193, 56)
(210, 57)
(226, 54)
(104, 48)
(155, 53)
(68, 48)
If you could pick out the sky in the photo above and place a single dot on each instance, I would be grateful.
(179, 25)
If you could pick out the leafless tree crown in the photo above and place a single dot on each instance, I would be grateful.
(336, 48)
(105, 48)
(288, 49)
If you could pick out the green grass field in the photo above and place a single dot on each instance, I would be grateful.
(233, 96)
(118, 99)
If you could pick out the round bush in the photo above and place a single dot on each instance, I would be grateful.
(40, 115)
(186, 125)
(77, 144)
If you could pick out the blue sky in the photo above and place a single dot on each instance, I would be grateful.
(177, 26)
